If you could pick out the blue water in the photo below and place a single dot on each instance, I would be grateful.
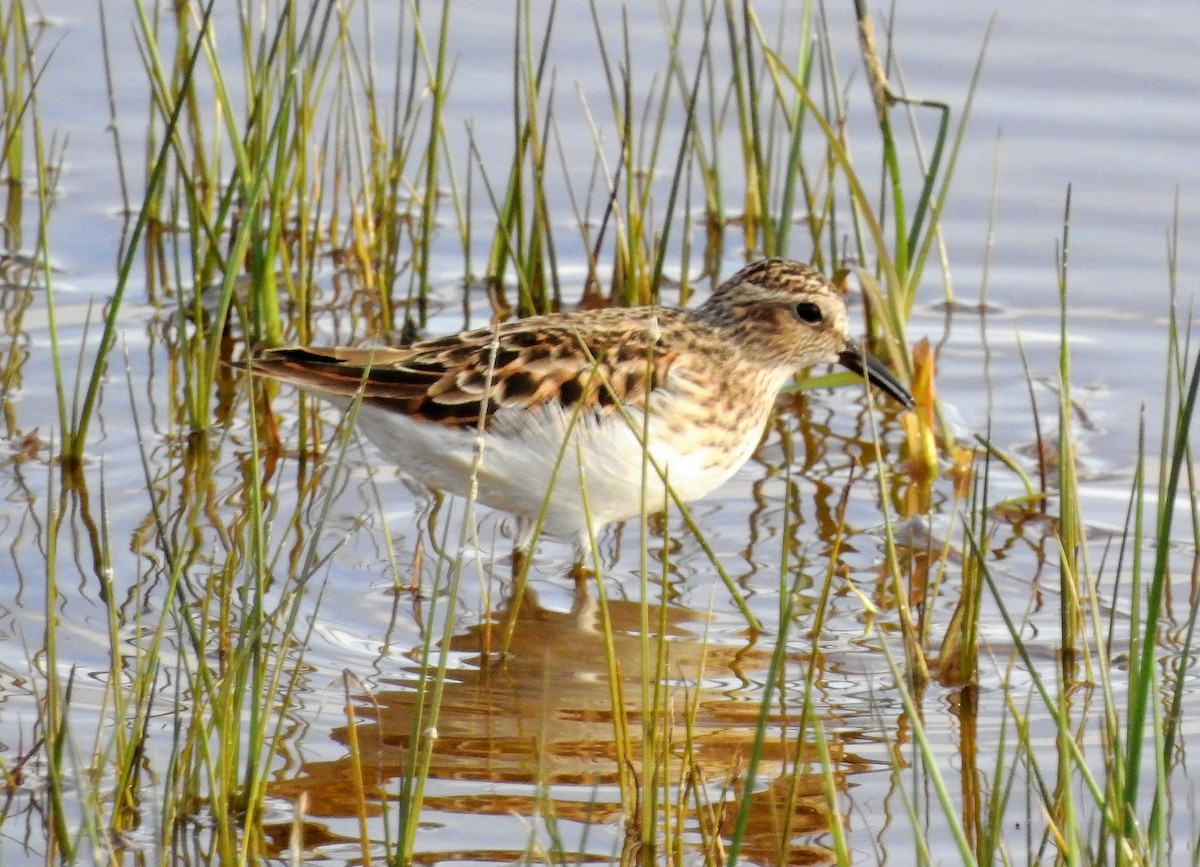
(1103, 100)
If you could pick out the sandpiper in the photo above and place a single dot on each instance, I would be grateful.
(558, 416)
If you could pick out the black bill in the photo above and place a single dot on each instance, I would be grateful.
(873, 370)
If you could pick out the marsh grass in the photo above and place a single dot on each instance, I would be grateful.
(283, 189)
(1115, 727)
(259, 192)
(18, 75)
(222, 650)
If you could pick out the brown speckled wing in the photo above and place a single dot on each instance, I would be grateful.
(446, 380)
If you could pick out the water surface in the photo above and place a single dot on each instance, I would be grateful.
(1106, 103)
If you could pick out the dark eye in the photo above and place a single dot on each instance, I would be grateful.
(808, 312)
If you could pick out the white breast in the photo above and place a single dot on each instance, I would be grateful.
(527, 453)
(519, 459)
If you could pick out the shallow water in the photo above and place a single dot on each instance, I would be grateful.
(1107, 102)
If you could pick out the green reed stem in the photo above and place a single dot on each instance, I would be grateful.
(18, 85)
(438, 85)
(793, 170)
(75, 436)
(1176, 434)
(685, 145)
(771, 680)
(54, 722)
(1174, 713)
(1070, 531)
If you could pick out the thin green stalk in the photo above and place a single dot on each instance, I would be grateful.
(744, 99)
(54, 716)
(1109, 814)
(935, 203)
(515, 243)
(684, 149)
(762, 725)
(883, 101)
(912, 714)
(793, 168)
(75, 434)
(1070, 532)
(18, 86)
(437, 85)
(1176, 448)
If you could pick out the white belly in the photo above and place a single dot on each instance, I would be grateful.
(527, 454)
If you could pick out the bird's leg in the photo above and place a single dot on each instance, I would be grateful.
(582, 575)
(520, 563)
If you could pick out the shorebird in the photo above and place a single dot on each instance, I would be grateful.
(555, 418)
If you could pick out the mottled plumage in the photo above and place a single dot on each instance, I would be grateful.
(707, 376)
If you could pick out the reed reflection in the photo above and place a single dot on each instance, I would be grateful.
(540, 724)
